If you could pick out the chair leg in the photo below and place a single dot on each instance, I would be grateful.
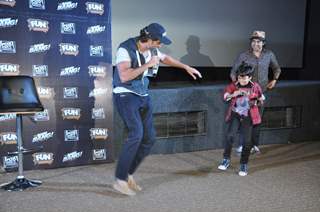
(20, 183)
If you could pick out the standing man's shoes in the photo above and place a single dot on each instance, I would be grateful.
(239, 149)
(255, 149)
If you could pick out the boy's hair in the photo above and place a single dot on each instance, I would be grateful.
(245, 70)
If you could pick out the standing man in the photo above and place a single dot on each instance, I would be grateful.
(261, 59)
(137, 59)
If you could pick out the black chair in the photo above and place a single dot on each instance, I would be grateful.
(18, 95)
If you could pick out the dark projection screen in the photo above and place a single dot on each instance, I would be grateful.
(214, 32)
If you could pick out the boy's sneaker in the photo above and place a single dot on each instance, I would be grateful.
(243, 169)
(239, 149)
(132, 184)
(123, 187)
(255, 149)
(224, 164)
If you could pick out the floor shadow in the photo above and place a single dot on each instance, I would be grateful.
(94, 188)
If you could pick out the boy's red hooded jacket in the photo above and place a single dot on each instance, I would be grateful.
(255, 93)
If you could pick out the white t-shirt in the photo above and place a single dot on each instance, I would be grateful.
(123, 56)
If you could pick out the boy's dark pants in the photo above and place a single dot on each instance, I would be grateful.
(255, 131)
(235, 123)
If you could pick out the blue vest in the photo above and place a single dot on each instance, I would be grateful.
(138, 85)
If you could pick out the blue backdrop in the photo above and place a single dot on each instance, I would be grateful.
(66, 47)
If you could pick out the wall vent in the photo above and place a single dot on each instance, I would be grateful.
(180, 124)
(281, 117)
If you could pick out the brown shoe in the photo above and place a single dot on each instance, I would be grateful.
(123, 187)
(133, 185)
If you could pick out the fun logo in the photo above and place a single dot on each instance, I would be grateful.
(71, 113)
(41, 158)
(99, 133)
(94, 8)
(97, 71)
(10, 3)
(9, 69)
(8, 138)
(69, 49)
(38, 25)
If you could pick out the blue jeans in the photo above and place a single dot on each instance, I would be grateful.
(136, 112)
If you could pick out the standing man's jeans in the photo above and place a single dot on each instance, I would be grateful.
(136, 112)
(256, 129)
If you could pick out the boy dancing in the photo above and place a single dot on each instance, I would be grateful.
(243, 96)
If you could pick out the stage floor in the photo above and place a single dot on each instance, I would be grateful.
(281, 178)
